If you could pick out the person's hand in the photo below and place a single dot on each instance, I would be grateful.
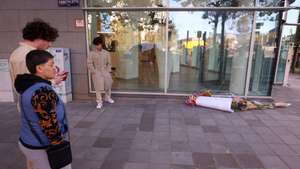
(59, 76)
(58, 79)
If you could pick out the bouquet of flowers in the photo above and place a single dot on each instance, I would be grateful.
(205, 99)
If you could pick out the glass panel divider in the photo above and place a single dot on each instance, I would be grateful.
(251, 53)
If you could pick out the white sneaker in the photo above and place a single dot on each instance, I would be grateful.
(99, 105)
(109, 100)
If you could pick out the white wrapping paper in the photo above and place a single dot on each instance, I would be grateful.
(215, 103)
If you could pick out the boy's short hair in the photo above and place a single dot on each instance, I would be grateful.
(98, 40)
(38, 29)
(35, 58)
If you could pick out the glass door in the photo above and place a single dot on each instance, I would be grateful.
(136, 42)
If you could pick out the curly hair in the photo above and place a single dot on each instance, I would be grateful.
(38, 29)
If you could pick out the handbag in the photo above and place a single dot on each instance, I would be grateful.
(59, 155)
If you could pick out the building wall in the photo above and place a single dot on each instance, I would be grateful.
(14, 14)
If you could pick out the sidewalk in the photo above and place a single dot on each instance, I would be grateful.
(146, 133)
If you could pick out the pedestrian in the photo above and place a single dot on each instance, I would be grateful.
(43, 120)
(37, 34)
(99, 64)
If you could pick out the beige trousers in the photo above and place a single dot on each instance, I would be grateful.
(99, 95)
(37, 159)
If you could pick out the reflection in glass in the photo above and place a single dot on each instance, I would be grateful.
(126, 3)
(136, 41)
(263, 58)
(211, 53)
(213, 3)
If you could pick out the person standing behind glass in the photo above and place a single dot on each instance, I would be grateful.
(99, 64)
(43, 120)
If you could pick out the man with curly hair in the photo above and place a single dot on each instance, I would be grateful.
(37, 35)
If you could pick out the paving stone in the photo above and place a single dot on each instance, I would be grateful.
(192, 121)
(210, 129)
(104, 142)
(180, 166)
(160, 157)
(146, 131)
(122, 143)
(200, 147)
(183, 158)
(239, 148)
(234, 138)
(291, 161)
(112, 164)
(204, 160)
(97, 154)
(159, 166)
(261, 149)
(225, 160)
(249, 161)
(281, 149)
(273, 162)
(131, 165)
(139, 156)
(220, 147)
(117, 155)
(180, 146)
(84, 124)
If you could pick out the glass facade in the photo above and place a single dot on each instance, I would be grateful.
(264, 53)
(183, 52)
(210, 53)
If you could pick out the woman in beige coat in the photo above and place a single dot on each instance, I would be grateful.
(99, 65)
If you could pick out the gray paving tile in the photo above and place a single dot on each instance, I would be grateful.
(104, 142)
(261, 149)
(112, 165)
(122, 143)
(273, 162)
(78, 152)
(291, 161)
(200, 147)
(86, 164)
(295, 148)
(139, 156)
(210, 129)
(85, 141)
(220, 147)
(130, 127)
(159, 166)
(204, 160)
(249, 161)
(290, 139)
(192, 121)
(183, 158)
(97, 154)
(160, 145)
(117, 155)
(180, 146)
(160, 157)
(281, 149)
(252, 138)
(180, 166)
(240, 148)
(225, 160)
(132, 165)
(234, 138)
